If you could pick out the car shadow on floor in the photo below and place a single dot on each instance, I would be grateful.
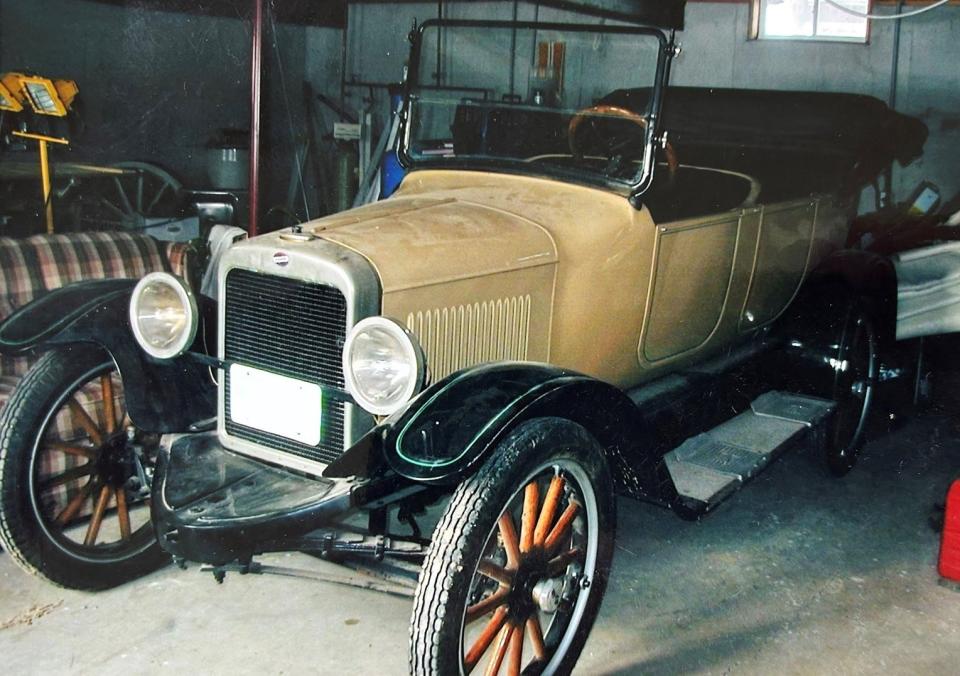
(799, 571)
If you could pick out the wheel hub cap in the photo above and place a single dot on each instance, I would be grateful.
(546, 594)
(523, 590)
(115, 461)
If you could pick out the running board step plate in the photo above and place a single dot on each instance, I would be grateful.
(710, 466)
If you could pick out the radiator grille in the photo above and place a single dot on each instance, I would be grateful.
(456, 337)
(290, 327)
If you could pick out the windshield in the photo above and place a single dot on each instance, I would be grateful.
(531, 98)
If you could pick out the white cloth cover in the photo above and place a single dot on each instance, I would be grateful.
(221, 238)
(928, 290)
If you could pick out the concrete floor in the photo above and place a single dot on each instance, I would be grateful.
(799, 573)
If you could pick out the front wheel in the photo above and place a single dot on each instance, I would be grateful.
(75, 475)
(496, 596)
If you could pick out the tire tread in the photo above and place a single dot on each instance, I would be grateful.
(455, 530)
(35, 392)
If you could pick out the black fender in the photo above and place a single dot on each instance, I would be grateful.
(865, 275)
(866, 271)
(846, 284)
(161, 396)
(451, 428)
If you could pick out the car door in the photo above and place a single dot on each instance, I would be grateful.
(781, 260)
(693, 273)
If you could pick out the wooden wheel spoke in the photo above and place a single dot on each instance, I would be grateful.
(140, 193)
(109, 407)
(503, 642)
(511, 544)
(123, 196)
(97, 519)
(531, 501)
(86, 422)
(156, 199)
(112, 207)
(559, 563)
(559, 531)
(73, 449)
(484, 606)
(494, 572)
(515, 659)
(73, 507)
(536, 638)
(549, 511)
(484, 640)
(66, 476)
(123, 513)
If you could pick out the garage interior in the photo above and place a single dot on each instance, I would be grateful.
(260, 115)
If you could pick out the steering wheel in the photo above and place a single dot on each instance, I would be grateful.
(612, 145)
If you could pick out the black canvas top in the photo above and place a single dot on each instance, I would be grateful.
(793, 141)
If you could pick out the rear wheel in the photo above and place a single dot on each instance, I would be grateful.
(831, 351)
(75, 475)
(854, 381)
(519, 562)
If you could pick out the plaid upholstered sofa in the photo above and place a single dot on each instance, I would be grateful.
(33, 266)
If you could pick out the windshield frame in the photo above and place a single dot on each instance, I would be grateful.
(667, 49)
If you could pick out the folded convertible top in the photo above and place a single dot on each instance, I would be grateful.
(821, 140)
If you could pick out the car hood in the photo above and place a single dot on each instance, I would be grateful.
(425, 239)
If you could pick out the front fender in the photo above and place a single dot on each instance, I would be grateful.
(160, 396)
(52, 314)
(450, 429)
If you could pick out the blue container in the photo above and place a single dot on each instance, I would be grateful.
(391, 173)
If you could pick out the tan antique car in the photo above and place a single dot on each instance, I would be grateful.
(569, 293)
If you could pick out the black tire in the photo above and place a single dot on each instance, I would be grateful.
(57, 512)
(566, 570)
(853, 388)
(831, 351)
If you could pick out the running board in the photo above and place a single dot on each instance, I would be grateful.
(710, 466)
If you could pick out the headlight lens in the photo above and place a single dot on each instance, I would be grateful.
(163, 315)
(383, 365)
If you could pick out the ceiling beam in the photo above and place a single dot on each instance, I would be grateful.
(302, 12)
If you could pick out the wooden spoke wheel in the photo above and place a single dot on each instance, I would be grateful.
(75, 474)
(142, 195)
(147, 192)
(519, 563)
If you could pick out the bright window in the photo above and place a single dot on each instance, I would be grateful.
(810, 20)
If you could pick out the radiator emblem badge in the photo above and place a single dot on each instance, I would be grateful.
(281, 259)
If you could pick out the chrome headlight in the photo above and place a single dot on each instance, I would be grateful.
(383, 365)
(163, 315)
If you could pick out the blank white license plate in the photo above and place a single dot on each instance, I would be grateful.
(284, 406)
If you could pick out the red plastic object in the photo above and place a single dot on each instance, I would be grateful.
(950, 543)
